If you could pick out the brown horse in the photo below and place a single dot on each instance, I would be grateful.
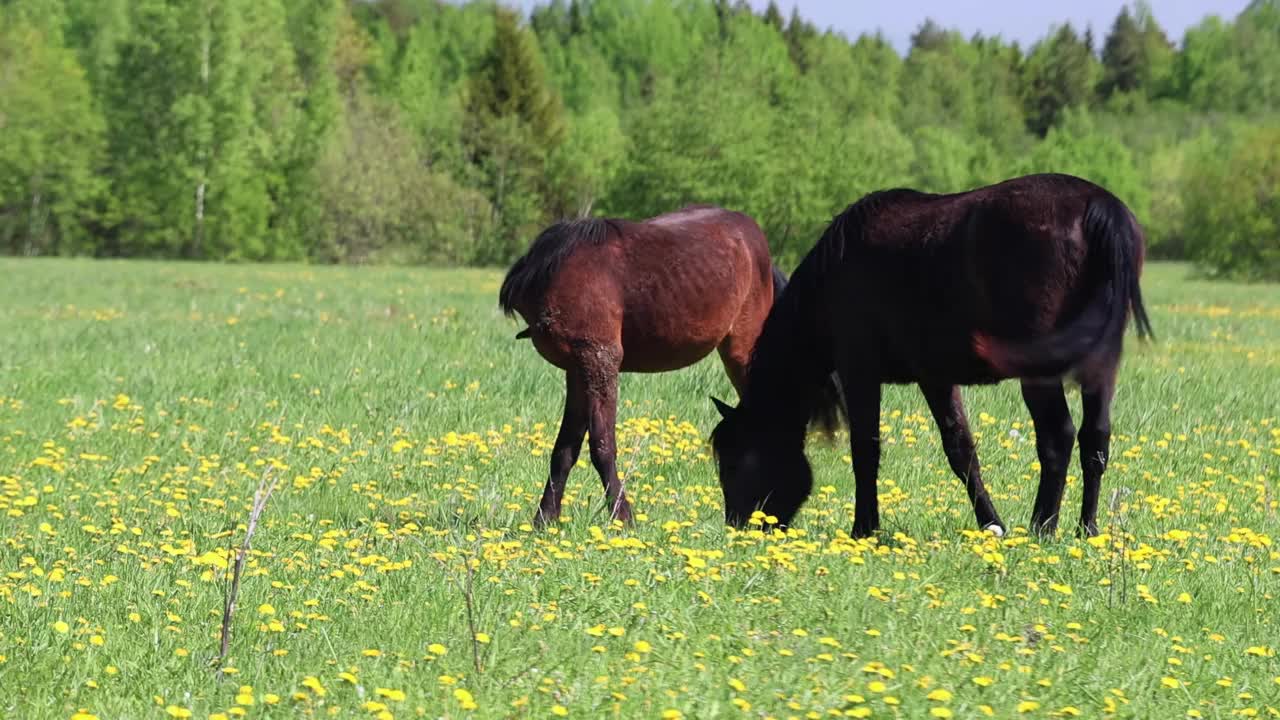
(603, 296)
(1033, 278)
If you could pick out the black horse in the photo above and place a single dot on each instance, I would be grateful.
(1033, 278)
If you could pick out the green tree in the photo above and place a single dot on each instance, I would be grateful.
(1059, 74)
(773, 16)
(51, 142)
(1124, 60)
(1233, 205)
(514, 120)
(1137, 56)
(1077, 147)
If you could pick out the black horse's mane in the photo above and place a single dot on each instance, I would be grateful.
(849, 227)
(527, 280)
(792, 352)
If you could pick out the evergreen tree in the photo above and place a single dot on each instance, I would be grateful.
(1123, 56)
(1059, 74)
(773, 16)
(513, 121)
(930, 36)
(799, 34)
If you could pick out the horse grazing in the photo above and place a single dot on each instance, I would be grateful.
(603, 296)
(1032, 278)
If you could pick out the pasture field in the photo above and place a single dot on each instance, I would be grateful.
(394, 573)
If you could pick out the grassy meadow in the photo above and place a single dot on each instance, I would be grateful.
(393, 573)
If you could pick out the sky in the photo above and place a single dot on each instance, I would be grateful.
(1025, 21)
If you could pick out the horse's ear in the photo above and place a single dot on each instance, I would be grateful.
(726, 411)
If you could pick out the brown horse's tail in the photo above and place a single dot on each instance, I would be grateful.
(1113, 238)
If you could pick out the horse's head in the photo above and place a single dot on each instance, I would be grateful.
(760, 469)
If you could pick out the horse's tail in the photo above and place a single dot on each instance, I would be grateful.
(779, 282)
(527, 281)
(1114, 238)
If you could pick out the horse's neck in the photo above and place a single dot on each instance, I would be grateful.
(791, 362)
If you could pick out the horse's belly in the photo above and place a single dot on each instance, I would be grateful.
(645, 353)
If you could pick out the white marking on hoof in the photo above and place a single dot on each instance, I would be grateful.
(995, 529)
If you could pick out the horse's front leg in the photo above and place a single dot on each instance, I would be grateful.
(862, 402)
(957, 442)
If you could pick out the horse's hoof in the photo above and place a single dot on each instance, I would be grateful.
(995, 529)
(541, 521)
(862, 533)
(1044, 529)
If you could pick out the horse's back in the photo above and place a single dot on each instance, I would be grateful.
(927, 272)
(663, 291)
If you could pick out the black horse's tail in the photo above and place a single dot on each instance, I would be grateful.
(779, 282)
(1114, 237)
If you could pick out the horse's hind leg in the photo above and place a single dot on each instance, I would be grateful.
(1055, 436)
(573, 427)
(1095, 446)
(600, 371)
(957, 442)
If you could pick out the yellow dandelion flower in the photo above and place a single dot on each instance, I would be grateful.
(177, 712)
(737, 684)
(1027, 706)
(312, 683)
(465, 699)
(559, 710)
(437, 649)
(940, 712)
(643, 647)
(61, 627)
(940, 695)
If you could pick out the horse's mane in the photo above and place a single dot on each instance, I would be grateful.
(792, 346)
(849, 227)
(527, 280)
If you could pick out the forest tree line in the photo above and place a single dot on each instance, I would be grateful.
(420, 131)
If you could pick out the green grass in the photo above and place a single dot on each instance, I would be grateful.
(141, 403)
